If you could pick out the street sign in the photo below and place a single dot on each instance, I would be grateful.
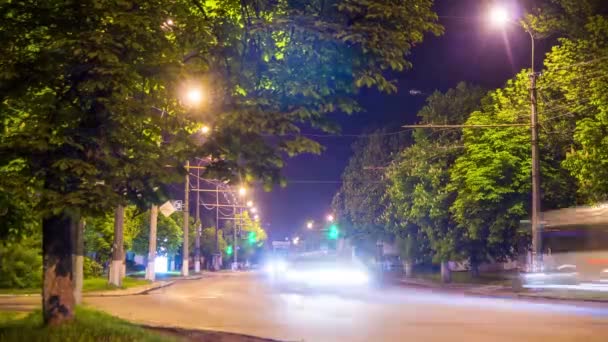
(167, 209)
(178, 204)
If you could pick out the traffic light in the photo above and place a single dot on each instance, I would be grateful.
(229, 250)
(252, 238)
(334, 232)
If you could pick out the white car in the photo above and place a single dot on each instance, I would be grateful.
(319, 271)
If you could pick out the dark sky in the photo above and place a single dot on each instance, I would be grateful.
(470, 50)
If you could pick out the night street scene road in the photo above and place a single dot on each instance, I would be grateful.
(294, 170)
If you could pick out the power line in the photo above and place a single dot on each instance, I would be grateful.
(337, 135)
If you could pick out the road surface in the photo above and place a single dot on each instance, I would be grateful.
(245, 303)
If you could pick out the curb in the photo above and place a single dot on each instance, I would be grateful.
(207, 334)
(135, 293)
(8, 295)
(509, 295)
(533, 297)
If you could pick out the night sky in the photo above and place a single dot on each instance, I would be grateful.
(470, 50)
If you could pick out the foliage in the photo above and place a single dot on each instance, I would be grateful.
(577, 68)
(91, 268)
(246, 228)
(99, 233)
(208, 242)
(89, 325)
(360, 201)
(565, 18)
(419, 177)
(21, 263)
(168, 234)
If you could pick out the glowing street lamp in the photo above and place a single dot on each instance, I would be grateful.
(205, 129)
(499, 16)
(250, 204)
(254, 210)
(309, 225)
(194, 96)
(242, 191)
(330, 218)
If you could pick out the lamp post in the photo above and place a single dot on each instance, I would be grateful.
(500, 16)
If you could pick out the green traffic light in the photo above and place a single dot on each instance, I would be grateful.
(334, 232)
(252, 237)
(229, 250)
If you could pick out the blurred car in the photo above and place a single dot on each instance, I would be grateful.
(562, 275)
(319, 271)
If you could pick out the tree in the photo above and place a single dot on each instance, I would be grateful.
(360, 201)
(99, 233)
(90, 111)
(250, 235)
(168, 235)
(576, 69)
(419, 178)
(492, 176)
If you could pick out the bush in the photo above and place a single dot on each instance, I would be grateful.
(91, 268)
(21, 264)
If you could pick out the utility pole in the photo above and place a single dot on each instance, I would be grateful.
(537, 252)
(197, 242)
(150, 272)
(216, 255)
(185, 251)
(235, 226)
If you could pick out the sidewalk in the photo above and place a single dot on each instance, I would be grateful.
(137, 290)
(501, 291)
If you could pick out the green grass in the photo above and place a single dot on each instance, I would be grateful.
(486, 278)
(19, 291)
(7, 316)
(88, 325)
(101, 284)
(89, 285)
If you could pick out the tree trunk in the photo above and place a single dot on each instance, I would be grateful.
(115, 274)
(57, 290)
(78, 259)
(474, 268)
(446, 273)
(150, 274)
(408, 266)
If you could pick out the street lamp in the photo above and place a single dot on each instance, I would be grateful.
(249, 204)
(330, 218)
(309, 224)
(254, 210)
(205, 130)
(194, 96)
(499, 16)
(242, 191)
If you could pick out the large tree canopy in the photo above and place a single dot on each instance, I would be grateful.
(419, 178)
(93, 109)
(359, 203)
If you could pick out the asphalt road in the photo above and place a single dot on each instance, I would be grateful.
(244, 303)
